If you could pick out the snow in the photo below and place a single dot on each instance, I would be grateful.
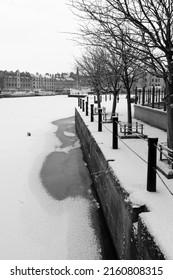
(33, 224)
(131, 171)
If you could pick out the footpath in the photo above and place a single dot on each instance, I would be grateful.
(129, 163)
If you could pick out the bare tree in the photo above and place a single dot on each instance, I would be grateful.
(151, 23)
(114, 35)
(150, 26)
(92, 64)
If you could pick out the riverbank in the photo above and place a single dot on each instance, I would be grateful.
(152, 227)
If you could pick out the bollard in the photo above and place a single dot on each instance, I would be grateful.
(92, 113)
(80, 103)
(114, 132)
(86, 109)
(99, 119)
(83, 105)
(152, 157)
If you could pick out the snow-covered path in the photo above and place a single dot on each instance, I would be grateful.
(130, 166)
(32, 224)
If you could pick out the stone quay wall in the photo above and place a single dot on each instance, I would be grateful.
(151, 116)
(129, 234)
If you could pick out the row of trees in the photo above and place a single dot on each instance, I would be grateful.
(123, 39)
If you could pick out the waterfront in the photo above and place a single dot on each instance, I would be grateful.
(34, 225)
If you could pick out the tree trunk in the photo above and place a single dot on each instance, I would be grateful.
(169, 101)
(170, 126)
(169, 107)
(98, 99)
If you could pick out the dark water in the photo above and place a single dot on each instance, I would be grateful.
(65, 174)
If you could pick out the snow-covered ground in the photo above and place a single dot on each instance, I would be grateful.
(32, 224)
(131, 169)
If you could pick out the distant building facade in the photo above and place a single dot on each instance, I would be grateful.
(10, 80)
(148, 80)
(24, 81)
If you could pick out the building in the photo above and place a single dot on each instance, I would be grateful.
(24, 81)
(12, 81)
(148, 80)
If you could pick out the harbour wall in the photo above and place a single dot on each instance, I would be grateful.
(151, 116)
(130, 236)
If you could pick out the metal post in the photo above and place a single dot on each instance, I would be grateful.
(161, 149)
(114, 132)
(124, 129)
(83, 105)
(80, 103)
(152, 157)
(153, 95)
(86, 111)
(92, 113)
(143, 96)
(99, 119)
(136, 126)
(105, 97)
(159, 98)
(142, 129)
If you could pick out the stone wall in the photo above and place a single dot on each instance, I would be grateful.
(120, 214)
(154, 117)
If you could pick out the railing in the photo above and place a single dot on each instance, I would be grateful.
(152, 97)
(166, 154)
(127, 128)
(135, 128)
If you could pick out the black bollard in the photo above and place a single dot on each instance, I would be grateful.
(114, 132)
(92, 113)
(152, 157)
(83, 105)
(80, 103)
(99, 119)
(86, 109)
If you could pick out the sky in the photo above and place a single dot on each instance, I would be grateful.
(33, 38)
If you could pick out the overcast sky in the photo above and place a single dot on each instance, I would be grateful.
(30, 38)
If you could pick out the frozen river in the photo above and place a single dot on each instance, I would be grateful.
(33, 223)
